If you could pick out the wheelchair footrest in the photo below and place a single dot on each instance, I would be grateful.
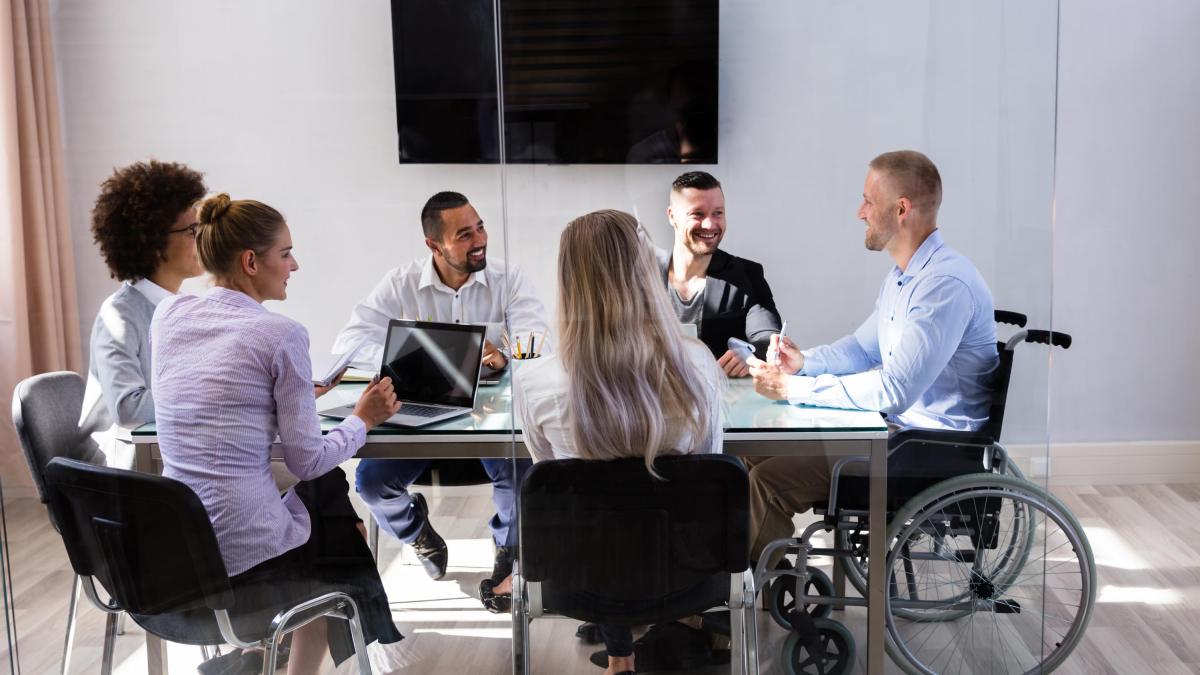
(1006, 606)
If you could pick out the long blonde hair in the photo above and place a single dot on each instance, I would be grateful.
(632, 390)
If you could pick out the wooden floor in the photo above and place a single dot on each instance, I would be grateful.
(1146, 541)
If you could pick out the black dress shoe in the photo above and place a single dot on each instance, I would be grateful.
(589, 633)
(429, 545)
(493, 602)
(223, 664)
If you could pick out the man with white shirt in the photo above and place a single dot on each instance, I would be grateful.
(453, 284)
(925, 357)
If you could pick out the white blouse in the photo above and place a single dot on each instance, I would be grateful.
(540, 397)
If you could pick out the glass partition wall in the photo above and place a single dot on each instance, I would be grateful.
(782, 108)
(734, 142)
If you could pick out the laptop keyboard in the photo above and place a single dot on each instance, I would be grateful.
(418, 410)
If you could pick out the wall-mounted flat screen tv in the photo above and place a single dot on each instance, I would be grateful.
(584, 81)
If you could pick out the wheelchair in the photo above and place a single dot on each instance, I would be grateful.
(987, 571)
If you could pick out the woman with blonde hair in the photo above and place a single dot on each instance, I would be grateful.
(625, 381)
(229, 377)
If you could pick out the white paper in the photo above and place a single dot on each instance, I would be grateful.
(325, 367)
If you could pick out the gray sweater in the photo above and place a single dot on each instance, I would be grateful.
(118, 391)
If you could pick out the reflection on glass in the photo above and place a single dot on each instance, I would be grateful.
(432, 363)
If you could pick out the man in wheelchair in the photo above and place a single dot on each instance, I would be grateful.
(925, 356)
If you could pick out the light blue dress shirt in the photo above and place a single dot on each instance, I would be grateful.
(925, 357)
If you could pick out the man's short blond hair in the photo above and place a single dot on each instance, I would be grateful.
(913, 175)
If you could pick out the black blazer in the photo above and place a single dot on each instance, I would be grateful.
(737, 303)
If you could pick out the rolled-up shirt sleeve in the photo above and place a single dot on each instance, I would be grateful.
(937, 317)
(525, 313)
(307, 452)
(368, 323)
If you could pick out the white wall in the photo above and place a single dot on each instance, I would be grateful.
(292, 103)
(1127, 232)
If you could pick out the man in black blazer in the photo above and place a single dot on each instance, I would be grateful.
(723, 295)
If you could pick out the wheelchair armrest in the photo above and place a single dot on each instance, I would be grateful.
(836, 474)
(916, 443)
(938, 437)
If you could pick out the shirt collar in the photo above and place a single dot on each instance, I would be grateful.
(429, 277)
(228, 296)
(152, 291)
(923, 255)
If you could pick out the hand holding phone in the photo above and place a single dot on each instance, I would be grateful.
(740, 348)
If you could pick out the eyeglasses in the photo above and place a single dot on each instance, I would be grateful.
(190, 229)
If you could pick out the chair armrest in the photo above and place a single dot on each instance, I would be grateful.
(938, 437)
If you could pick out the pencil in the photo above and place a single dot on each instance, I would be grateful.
(519, 354)
(532, 349)
(541, 335)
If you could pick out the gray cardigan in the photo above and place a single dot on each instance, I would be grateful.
(118, 391)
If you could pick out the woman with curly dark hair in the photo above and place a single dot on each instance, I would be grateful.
(145, 224)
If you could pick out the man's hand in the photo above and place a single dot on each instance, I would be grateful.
(320, 391)
(732, 365)
(785, 354)
(769, 380)
(492, 357)
(377, 403)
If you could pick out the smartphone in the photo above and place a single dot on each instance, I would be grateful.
(740, 348)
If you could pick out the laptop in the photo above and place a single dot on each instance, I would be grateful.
(434, 367)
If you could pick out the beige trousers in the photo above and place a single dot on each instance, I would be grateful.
(781, 487)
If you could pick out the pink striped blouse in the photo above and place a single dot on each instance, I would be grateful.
(228, 375)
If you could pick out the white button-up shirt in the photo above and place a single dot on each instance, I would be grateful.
(492, 297)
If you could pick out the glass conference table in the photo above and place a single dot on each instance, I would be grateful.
(754, 426)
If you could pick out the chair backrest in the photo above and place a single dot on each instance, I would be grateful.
(146, 538)
(1003, 374)
(1000, 380)
(610, 535)
(45, 412)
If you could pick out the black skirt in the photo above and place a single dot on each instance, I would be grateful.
(335, 558)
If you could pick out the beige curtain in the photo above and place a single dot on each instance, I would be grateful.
(39, 319)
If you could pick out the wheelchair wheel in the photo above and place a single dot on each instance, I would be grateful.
(1018, 541)
(835, 656)
(855, 566)
(997, 573)
(781, 596)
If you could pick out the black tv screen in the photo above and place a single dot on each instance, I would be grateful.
(585, 81)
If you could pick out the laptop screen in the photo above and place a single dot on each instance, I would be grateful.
(433, 362)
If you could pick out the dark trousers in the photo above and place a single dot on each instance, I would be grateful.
(618, 640)
(383, 485)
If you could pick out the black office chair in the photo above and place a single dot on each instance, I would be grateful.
(149, 542)
(45, 411)
(606, 542)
